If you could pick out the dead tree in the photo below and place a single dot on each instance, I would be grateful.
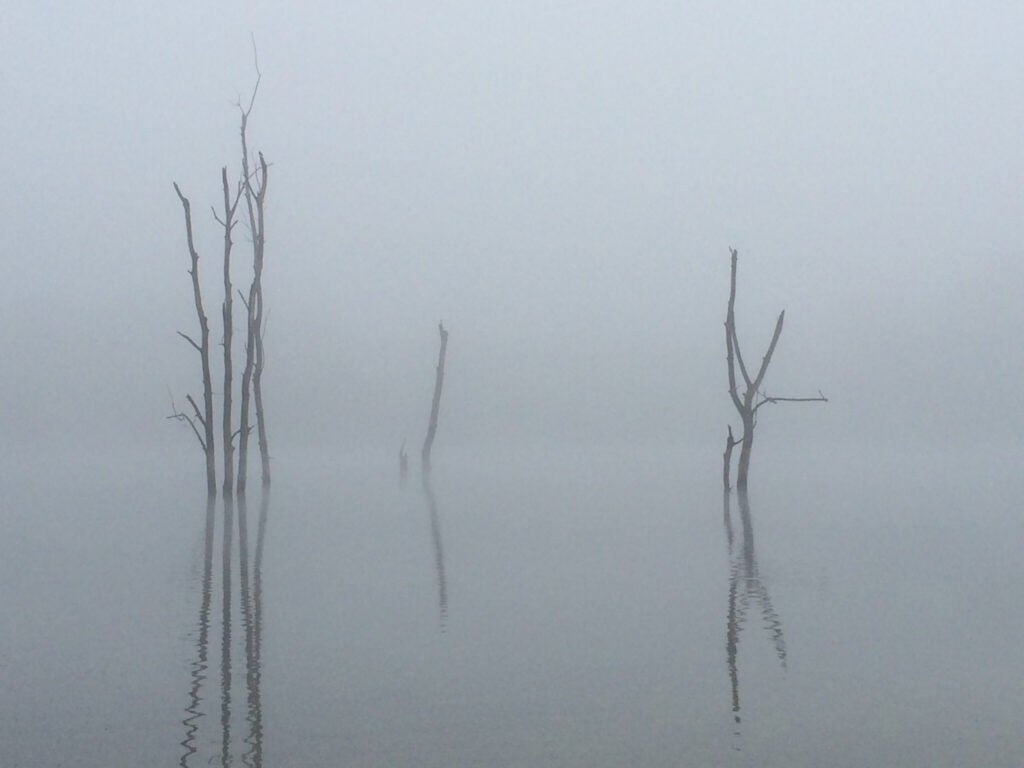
(254, 186)
(227, 436)
(436, 403)
(204, 418)
(753, 397)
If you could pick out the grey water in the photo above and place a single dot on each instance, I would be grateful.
(525, 606)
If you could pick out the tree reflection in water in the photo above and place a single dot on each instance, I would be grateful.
(746, 587)
(251, 609)
(435, 535)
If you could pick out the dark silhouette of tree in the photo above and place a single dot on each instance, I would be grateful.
(753, 397)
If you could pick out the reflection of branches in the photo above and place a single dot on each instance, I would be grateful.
(244, 597)
(199, 666)
(250, 573)
(732, 641)
(745, 587)
(435, 533)
(225, 645)
(251, 616)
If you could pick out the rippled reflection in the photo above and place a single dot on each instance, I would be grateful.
(251, 610)
(746, 587)
(435, 534)
(193, 712)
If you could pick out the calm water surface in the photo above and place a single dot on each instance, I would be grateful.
(592, 607)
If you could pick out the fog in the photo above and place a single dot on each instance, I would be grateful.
(560, 183)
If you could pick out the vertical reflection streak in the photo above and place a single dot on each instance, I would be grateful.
(198, 671)
(435, 533)
(745, 587)
(250, 574)
(251, 605)
(255, 676)
(225, 647)
(245, 604)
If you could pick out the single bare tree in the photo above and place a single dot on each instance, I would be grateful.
(254, 186)
(435, 406)
(227, 436)
(205, 418)
(753, 397)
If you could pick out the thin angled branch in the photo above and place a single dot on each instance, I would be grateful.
(730, 335)
(739, 355)
(731, 316)
(229, 207)
(259, 76)
(819, 399)
(190, 340)
(179, 416)
(195, 408)
(768, 355)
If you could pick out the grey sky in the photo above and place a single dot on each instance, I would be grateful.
(558, 181)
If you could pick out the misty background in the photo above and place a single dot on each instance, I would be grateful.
(558, 182)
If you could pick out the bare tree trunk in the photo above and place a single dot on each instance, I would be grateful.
(227, 437)
(243, 413)
(255, 197)
(743, 469)
(257, 394)
(730, 443)
(428, 443)
(203, 347)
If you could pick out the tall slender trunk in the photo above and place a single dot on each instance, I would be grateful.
(435, 406)
(203, 347)
(254, 202)
(227, 312)
(257, 394)
(243, 412)
(743, 467)
(730, 443)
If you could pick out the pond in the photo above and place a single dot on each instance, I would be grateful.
(570, 606)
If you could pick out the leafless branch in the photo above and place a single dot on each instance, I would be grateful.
(259, 76)
(768, 355)
(195, 408)
(189, 339)
(179, 416)
(772, 400)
